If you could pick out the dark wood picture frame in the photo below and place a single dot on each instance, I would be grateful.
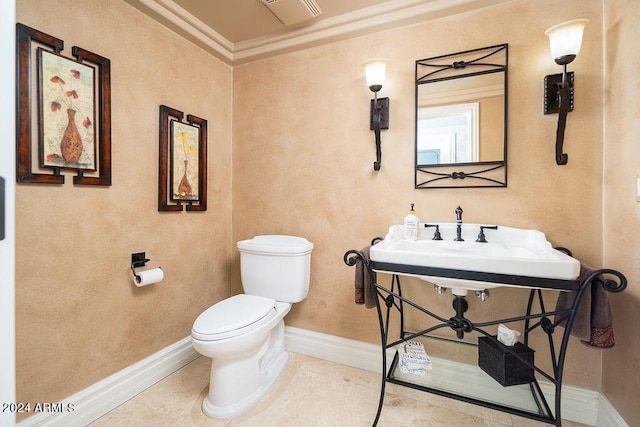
(28, 100)
(171, 196)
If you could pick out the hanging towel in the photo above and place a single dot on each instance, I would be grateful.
(593, 321)
(365, 291)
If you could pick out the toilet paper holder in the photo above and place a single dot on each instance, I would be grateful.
(138, 259)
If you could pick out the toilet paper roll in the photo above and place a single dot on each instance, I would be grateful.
(148, 277)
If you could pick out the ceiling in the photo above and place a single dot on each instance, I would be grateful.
(242, 20)
(240, 31)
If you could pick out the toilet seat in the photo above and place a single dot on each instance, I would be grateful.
(233, 316)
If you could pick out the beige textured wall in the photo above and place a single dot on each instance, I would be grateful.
(78, 316)
(303, 156)
(621, 367)
(302, 164)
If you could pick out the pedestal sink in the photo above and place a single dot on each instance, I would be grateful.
(508, 252)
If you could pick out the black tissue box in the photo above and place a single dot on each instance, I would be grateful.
(494, 358)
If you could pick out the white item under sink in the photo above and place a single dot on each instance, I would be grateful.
(508, 251)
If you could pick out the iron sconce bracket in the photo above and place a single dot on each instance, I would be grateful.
(379, 119)
(383, 110)
(558, 98)
(552, 84)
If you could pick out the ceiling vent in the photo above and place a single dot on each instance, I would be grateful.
(293, 11)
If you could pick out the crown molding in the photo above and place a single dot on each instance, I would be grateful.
(177, 19)
(384, 16)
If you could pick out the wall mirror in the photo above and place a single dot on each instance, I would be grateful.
(461, 119)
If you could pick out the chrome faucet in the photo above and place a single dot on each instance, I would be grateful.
(458, 225)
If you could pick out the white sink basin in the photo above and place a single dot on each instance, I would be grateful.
(508, 251)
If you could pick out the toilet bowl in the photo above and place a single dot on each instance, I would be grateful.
(247, 357)
(244, 334)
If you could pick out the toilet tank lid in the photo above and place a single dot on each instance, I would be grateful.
(232, 313)
(276, 244)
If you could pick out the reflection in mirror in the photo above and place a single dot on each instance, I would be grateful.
(448, 134)
(461, 113)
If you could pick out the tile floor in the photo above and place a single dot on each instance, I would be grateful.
(309, 392)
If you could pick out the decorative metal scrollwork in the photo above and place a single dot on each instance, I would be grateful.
(351, 258)
(607, 282)
(482, 175)
(547, 325)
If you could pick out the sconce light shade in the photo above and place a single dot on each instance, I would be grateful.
(374, 72)
(565, 40)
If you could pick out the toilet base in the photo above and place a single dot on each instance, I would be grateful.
(249, 367)
(268, 376)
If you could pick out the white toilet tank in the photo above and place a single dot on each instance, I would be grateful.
(276, 266)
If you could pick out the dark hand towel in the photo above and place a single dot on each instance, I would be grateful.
(593, 321)
(365, 291)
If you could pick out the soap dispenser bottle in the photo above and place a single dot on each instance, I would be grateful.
(411, 225)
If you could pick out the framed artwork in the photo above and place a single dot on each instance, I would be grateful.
(182, 162)
(63, 114)
(67, 112)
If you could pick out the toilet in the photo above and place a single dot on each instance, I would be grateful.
(244, 334)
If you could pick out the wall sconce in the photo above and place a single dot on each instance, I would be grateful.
(565, 40)
(374, 71)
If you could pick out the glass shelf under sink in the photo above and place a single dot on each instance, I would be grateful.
(470, 383)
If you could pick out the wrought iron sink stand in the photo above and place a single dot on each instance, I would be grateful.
(390, 300)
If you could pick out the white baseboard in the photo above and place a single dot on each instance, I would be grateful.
(103, 396)
(578, 404)
(607, 414)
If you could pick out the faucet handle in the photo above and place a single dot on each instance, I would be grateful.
(481, 237)
(436, 234)
(459, 214)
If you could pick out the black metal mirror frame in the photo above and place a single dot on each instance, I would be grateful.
(458, 65)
